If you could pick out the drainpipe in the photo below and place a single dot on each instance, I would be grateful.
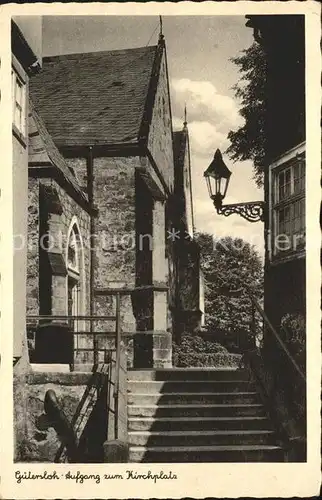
(90, 191)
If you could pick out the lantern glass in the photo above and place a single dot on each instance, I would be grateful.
(219, 185)
(217, 177)
(208, 180)
(226, 182)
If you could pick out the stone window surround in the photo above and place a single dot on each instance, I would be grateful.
(60, 288)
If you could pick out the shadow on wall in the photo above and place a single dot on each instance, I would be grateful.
(82, 402)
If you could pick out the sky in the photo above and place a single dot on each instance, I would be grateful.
(201, 75)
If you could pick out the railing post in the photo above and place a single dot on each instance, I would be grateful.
(72, 365)
(117, 362)
(72, 326)
(95, 349)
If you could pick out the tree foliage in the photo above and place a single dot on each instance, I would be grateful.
(248, 142)
(228, 264)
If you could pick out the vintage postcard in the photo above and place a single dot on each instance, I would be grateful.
(160, 243)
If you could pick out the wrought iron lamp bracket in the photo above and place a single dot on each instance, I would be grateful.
(252, 211)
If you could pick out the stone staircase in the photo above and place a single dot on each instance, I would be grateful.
(198, 415)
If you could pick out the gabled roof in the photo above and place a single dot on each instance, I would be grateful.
(94, 98)
(42, 152)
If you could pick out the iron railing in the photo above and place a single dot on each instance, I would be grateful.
(255, 306)
(279, 341)
(92, 395)
(70, 321)
(275, 335)
(75, 325)
(283, 383)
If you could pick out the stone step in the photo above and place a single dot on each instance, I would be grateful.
(185, 374)
(193, 398)
(177, 454)
(198, 423)
(200, 438)
(195, 410)
(154, 386)
(50, 367)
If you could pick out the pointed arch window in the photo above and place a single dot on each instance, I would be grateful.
(74, 272)
(73, 253)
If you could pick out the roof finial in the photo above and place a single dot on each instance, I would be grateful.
(185, 123)
(161, 36)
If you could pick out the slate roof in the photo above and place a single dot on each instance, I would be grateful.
(43, 152)
(94, 98)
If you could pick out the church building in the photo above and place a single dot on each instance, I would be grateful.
(110, 209)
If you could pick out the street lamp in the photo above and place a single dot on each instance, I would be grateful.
(217, 178)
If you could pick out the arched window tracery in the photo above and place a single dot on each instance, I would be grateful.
(75, 286)
(73, 252)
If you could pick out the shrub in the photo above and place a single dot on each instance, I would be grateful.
(294, 327)
(215, 360)
(194, 351)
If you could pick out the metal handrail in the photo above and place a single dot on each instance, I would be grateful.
(94, 383)
(117, 292)
(69, 317)
(129, 290)
(117, 363)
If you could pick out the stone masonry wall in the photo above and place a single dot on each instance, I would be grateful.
(160, 133)
(114, 258)
(37, 440)
(70, 209)
(161, 147)
(79, 167)
(114, 196)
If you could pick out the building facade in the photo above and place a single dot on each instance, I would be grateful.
(26, 45)
(283, 370)
(97, 189)
(284, 181)
(26, 62)
(105, 191)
